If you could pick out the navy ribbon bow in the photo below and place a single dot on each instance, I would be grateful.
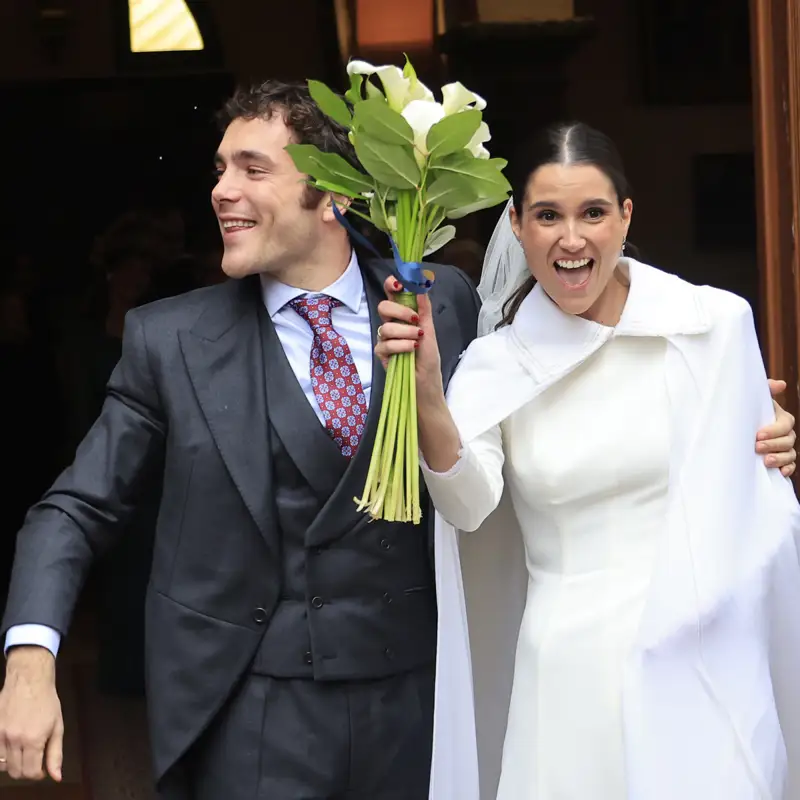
(410, 274)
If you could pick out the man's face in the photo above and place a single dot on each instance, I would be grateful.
(258, 201)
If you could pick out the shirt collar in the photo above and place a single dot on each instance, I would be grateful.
(348, 289)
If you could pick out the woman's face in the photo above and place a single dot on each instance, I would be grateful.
(572, 229)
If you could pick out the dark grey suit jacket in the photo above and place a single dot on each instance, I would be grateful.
(188, 399)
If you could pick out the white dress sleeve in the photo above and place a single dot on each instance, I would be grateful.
(468, 492)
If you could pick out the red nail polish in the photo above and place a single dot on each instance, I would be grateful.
(420, 332)
(397, 286)
(416, 345)
(414, 319)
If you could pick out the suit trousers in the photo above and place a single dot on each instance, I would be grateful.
(299, 739)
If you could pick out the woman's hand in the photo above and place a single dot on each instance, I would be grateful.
(405, 331)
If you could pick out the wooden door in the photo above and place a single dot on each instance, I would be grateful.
(775, 38)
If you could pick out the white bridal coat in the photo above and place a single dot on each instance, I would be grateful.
(717, 654)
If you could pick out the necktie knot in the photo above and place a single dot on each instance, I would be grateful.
(316, 310)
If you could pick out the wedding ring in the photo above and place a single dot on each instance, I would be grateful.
(3, 761)
(380, 331)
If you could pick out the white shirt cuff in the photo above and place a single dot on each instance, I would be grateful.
(30, 635)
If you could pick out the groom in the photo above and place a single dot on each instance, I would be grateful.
(290, 642)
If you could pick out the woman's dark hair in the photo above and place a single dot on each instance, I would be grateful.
(563, 143)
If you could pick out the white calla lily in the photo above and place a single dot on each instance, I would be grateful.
(422, 115)
(456, 97)
(399, 89)
(475, 145)
(419, 91)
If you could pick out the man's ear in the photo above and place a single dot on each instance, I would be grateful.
(342, 203)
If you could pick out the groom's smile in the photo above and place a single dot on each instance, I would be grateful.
(234, 225)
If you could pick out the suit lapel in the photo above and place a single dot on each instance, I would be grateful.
(307, 442)
(224, 359)
(448, 336)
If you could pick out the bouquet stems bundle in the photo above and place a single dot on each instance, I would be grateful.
(420, 162)
(392, 488)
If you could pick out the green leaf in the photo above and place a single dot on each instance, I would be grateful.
(389, 164)
(353, 94)
(335, 188)
(453, 133)
(378, 120)
(478, 205)
(330, 103)
(346, 174)
(376, 214)
(306, 161)
(438, 239)
(450, 191)
(482, 173)
(408, 70)
(329, 167)
(372, 90)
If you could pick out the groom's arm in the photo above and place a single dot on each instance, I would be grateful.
(87, 507)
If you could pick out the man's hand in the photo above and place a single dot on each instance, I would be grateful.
(776, 441)
(31, 724)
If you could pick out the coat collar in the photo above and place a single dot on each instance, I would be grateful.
(658, 304)
(504, 370)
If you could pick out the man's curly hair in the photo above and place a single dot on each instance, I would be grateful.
(300, 114)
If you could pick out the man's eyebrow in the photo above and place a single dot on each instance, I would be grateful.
(244, 156)
(253, 155)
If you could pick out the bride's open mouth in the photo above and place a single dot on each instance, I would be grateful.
(574, 274)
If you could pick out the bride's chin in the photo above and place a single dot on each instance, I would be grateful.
(576, 306)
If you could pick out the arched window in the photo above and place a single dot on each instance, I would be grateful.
(160, 26)
(166, 36)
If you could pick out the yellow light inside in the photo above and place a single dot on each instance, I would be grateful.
(159, 26)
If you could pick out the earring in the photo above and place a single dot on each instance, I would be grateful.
(622, 249)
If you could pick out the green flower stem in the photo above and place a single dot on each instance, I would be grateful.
(391, 491)
(413, 509)
(373, 474)
(352, 210)
(392, 407)
(398, 471)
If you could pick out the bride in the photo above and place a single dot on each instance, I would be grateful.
(633, 593)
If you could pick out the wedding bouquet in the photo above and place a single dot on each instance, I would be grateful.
(422, 162)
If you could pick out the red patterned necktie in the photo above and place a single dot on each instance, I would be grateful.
(334, 377)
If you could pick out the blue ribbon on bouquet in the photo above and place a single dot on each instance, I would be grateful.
(410, 274)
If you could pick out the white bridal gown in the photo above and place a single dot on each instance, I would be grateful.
(587, 470)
